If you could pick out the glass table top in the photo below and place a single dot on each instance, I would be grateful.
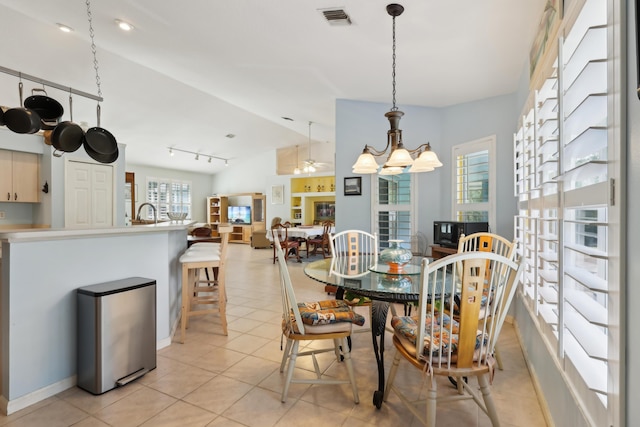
(375, 281)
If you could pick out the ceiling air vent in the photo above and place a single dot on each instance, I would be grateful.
(336, 16)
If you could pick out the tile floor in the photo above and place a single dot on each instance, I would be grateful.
(223, 381)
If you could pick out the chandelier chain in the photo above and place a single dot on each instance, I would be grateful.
(93, 49)
(393, 66)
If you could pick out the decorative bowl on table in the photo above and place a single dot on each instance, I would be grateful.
(395, 256)
(177, 216)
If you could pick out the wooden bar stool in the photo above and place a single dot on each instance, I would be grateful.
(193, 293)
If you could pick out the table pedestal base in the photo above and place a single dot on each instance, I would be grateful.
(379, 310)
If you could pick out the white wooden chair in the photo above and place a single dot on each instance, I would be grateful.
(313, 321)
(487, 242)
(439, 345)
(194, 294)
(353, 253)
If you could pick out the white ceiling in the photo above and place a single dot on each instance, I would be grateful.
(194, 71)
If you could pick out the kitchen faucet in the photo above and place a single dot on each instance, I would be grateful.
(155, 214)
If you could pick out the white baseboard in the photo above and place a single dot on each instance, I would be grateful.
(8, 407)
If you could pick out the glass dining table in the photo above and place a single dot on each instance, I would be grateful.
(377, 283)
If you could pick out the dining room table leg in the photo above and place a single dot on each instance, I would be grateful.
(379, 310)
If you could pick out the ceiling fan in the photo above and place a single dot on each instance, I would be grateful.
(310, 165)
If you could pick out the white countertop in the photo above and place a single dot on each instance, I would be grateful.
(36, 234)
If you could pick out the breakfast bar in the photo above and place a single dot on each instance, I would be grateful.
(41, 269)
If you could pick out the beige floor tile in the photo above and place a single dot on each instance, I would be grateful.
(179, 384)
(91, 403)
(58, 413)
(181, 414)
(252, 370)
(218, 394)
(246, 343)
(137, 408)
(304, 413)
(258, 408)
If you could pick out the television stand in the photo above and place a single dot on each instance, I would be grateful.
(438, 251)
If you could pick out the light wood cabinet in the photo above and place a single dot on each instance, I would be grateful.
(19, 177)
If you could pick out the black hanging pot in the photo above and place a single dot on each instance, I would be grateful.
(67, 136)
(2, 110)
(100, 141)
(22, 120)
(47, 108)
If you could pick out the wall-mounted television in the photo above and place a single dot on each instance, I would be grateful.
(447, 233)
(239, 214)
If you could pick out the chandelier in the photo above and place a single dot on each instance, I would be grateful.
(399, 157)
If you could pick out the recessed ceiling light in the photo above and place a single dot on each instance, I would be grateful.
(124, 25)
(64, 28)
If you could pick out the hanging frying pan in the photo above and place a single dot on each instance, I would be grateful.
(99, 157)
(20, 119)
(100, 140)
(67, 136)
(47, 108)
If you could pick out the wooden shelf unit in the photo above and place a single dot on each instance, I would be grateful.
(217, 207)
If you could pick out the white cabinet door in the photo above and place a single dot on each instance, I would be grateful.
(88, 195)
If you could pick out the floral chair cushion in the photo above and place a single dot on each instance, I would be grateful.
(328, 312)
(441, 333)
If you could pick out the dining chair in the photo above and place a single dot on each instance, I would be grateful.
(194, 294)
(487, 242)
(354, 252)
(321, 242)
(438, 345)
(313, 321)
(281, 232)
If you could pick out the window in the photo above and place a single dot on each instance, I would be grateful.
(565, 176)
(394, 208)
(474, 180)
(168, 196)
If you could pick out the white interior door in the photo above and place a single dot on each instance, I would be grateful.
(88, 195)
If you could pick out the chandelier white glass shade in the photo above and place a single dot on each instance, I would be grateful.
(399, 157)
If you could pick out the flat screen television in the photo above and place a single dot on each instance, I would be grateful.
(239, 214)
(447, 233)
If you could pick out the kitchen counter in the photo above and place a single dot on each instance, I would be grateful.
(40, 272)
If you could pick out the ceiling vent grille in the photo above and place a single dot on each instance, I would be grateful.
(335, 16)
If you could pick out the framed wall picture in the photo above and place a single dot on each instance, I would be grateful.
(323, 211)
(277, 194)
(353, 186)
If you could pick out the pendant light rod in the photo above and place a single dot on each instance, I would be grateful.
(49, 83)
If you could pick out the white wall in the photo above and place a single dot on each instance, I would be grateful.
(200, 186)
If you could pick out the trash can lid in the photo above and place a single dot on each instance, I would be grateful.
(116, 286)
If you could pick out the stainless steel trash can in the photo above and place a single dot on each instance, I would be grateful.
(116, 333)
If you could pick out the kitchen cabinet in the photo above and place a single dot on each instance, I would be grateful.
(19, 177)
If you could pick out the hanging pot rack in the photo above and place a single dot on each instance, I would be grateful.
(49, 84)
